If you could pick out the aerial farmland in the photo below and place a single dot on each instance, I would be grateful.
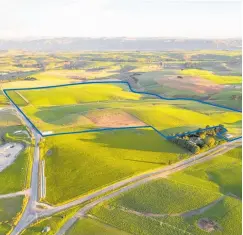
(120, 142)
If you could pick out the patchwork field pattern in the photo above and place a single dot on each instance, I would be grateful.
(102, 119)
(97, 106)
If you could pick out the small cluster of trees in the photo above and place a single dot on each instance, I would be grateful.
(206, 139)
(187, 144)
(210, 131)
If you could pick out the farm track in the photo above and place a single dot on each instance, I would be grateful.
(202, 209)
(21, 96)
(20, 193)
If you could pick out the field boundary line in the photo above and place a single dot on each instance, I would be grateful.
(5, 91)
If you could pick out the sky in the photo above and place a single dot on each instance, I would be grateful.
(119, 18)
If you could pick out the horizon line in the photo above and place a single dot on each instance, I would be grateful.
(121, 37)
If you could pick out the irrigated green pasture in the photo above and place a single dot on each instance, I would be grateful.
(80, 163)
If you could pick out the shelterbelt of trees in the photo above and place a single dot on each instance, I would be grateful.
(202, 140)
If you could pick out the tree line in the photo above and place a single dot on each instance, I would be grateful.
(201, 140)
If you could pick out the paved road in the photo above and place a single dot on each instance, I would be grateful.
(29, 212)
(68, 225)
(219, 150)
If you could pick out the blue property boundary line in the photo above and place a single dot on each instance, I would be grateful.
(5, 91)
(131, 89)
(16, 106)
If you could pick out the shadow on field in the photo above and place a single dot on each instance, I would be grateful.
(157, 163)
(231, 186)
(61, 115)
(135, 139)
(176, 130)
(235, 124)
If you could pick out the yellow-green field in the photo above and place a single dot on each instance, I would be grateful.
(213, 77)
(79, 107)
(87, 226)
(71, 95)
(149, 71)
(174, 205)
(80, 163)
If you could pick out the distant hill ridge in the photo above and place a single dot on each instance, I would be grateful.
(123, 44)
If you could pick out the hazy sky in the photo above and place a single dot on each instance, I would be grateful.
(131, 18)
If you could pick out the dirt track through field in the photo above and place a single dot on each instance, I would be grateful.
(20, 193)
(26, 101)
